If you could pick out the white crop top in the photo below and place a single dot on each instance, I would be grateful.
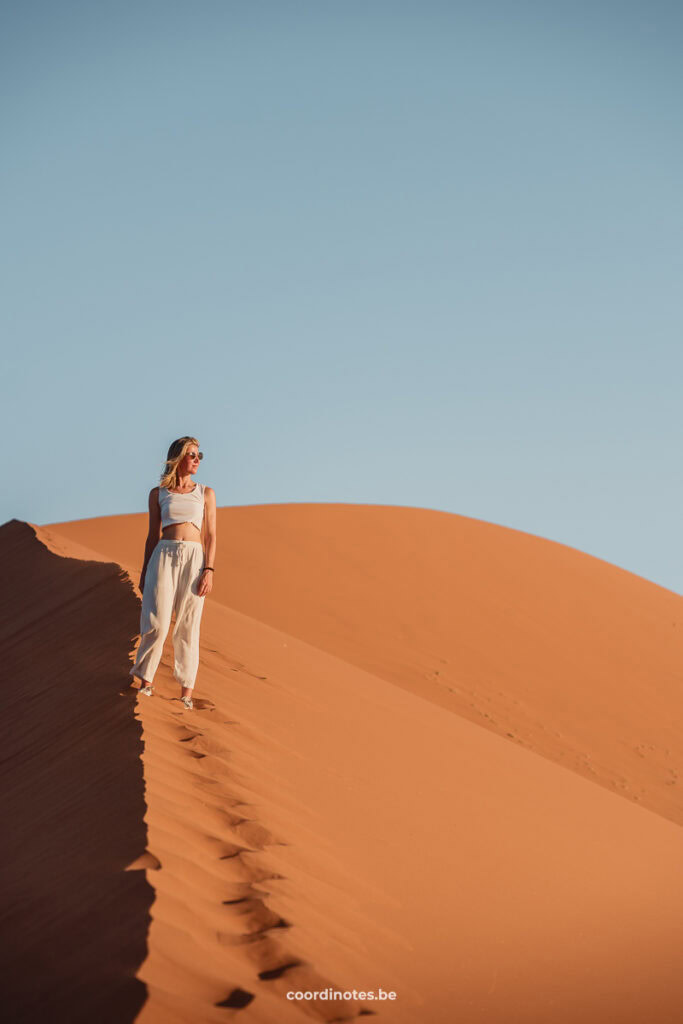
(182, 508)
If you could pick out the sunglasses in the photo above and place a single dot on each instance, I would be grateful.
(196, 455)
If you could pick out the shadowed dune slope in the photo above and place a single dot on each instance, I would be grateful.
(552, 649)
(73, 920)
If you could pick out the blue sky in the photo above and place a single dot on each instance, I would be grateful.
(422, 254)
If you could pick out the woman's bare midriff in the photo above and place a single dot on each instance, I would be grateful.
(181, 531)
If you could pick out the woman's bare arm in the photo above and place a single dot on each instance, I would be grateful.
(153, 533)
(206, 581)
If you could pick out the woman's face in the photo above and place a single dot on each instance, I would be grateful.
(190, 462)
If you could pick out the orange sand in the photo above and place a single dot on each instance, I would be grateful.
(429, 754)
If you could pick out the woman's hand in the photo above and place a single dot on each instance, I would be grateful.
(205, 583)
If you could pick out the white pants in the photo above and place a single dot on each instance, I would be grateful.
(171, 585)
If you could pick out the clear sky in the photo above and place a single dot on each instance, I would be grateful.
(424, 254)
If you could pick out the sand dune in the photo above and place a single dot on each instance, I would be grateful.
(429, 754)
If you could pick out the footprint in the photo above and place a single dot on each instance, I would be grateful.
(198, 704)
(257, 917)
(147, 861)
(203, 705)
(277, 972)
(255, 834)
(237, 1000)
(232, 850)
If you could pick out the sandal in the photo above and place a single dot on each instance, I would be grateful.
(147, 690)
(187, 701)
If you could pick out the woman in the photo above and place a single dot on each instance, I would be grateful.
(177, 572)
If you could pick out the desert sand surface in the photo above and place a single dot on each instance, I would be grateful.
(428, 754)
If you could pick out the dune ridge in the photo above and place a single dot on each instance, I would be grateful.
(203, 857)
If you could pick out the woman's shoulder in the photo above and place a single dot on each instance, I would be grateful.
(154, 500)
(208, 492)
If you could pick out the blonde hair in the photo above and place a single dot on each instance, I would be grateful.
(176, 453)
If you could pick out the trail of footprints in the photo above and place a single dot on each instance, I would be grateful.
(250, 923)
